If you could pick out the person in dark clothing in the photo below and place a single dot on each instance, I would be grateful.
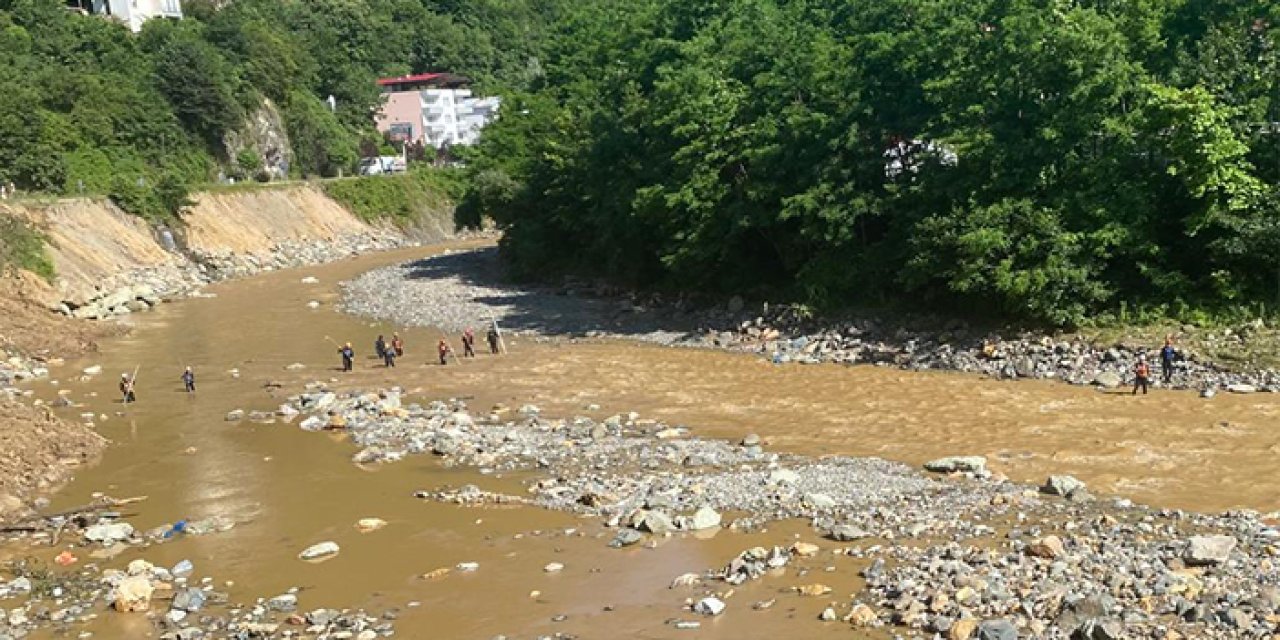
(1141, 375)
(469, 343)
(126, 389)
(397, 344)
(493, 339)
(389, 357)
(1167, 354)
(348, 356)
(443, 349)
(380, 347)
(189, 380)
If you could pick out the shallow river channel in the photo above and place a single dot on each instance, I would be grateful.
(288, 489)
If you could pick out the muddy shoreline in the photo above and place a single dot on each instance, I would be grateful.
(467, 288)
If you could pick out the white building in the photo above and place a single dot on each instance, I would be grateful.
(433, 109)
(136, 12)
(453, 117)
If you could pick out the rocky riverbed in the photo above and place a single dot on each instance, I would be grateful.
(960, 553)
(462, 289)
(89, 579)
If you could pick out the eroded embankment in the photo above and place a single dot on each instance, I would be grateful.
(109, 264)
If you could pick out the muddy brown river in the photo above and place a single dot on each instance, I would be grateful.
(289, 489)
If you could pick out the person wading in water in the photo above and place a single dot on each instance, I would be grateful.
(348, 356)
(126, 389)
(469, 343)
(1141, 375)
(397, 344)
(189, 380)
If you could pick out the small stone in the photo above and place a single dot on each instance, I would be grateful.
(847, 533)
(804, 549)
(997, 630)
(862, 616)
(553, 567)
(783, 476)
(962, 629)
(827, 615)
(626, 538)
(367, 525)
(1048, 547)
(467, 567)
(813, 590)
(235, 415)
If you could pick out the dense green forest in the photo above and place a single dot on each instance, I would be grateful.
(1043, 159)
(88, 107)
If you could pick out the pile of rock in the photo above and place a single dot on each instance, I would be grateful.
(646, 476)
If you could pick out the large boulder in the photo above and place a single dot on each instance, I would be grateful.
(1208, 550)
(953, 464)
(1062, 486)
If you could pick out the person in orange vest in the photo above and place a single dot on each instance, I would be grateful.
(1141, 375)
(443, 348)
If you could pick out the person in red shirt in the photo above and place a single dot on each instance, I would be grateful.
(469, 343)
(443, 348)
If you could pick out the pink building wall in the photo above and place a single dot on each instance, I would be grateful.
(402, 107)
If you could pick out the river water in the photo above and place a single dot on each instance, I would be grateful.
(289, 489)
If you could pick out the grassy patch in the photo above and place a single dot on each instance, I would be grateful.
(22, 247)
(399, 199)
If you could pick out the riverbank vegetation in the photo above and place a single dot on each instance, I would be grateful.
(400, 199)
(22, 247)
(1058, 162)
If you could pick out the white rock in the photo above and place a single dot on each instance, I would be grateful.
(93, 371)
(108, 533)
(783, 476)
(553, 567)
(320, 550)
(705, 518)
(468, 566)
(711, 606)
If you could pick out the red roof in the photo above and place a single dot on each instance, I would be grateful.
(421, 77)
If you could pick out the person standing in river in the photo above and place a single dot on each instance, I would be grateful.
(126, 389)
(1141, 375)
(397, 344)
(493, 339)
(348, 356)
(443, 348)
(389, 358)
(1167, 355)
(380, 347)
(189, 380)
(469, 343)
